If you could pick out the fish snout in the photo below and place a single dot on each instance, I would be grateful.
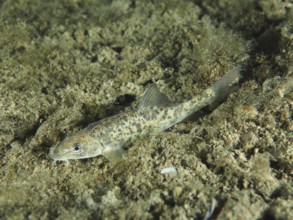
(53, 154)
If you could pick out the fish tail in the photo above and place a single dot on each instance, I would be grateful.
(222, 87)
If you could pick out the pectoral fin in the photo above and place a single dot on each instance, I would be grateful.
(114, 156)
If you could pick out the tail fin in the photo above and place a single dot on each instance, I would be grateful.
(226, 83)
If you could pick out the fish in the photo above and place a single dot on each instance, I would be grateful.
(155, 113)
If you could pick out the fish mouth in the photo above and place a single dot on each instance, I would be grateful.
(56, 158)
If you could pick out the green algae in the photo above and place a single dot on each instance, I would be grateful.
(63, 64)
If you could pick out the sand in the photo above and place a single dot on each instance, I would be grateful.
(65, 64)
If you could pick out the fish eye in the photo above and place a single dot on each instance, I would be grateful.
(77, 147)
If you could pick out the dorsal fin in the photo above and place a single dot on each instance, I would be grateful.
(153, 97)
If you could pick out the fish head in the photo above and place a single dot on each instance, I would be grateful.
(78, 146)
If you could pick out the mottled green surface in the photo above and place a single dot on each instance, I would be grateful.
(65, 64)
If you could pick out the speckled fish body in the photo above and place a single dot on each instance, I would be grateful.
(154, 114)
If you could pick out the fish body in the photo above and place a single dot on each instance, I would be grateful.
(155, 113)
